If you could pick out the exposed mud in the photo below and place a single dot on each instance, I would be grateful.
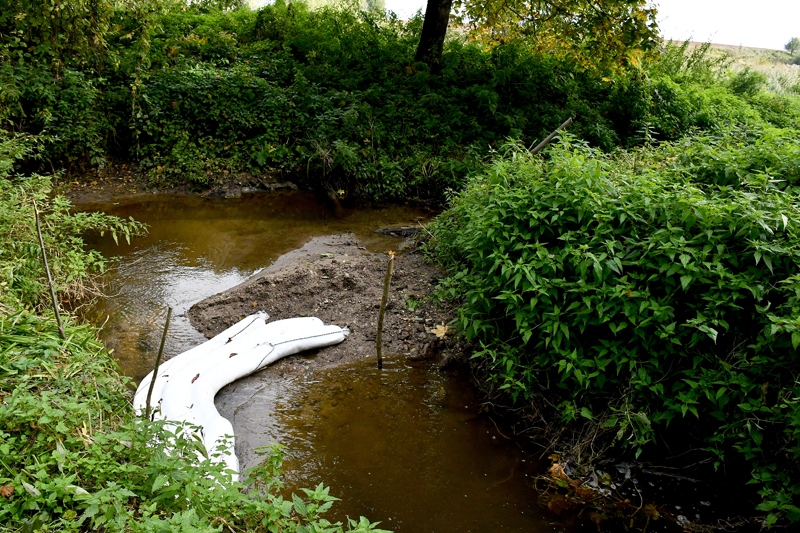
(336, 279)
(123, 181)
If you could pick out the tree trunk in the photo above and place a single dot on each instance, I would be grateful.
(434, 28)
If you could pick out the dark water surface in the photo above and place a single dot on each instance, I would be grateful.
(406, 445)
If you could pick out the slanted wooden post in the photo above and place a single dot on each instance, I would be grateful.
(387, 280)
(550, 137)
(158, 362)
(47, 271)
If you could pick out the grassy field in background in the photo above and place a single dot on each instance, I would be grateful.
(781, 68)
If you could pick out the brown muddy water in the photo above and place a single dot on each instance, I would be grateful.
(407, 446)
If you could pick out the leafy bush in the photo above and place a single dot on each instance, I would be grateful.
(747, 82)
(71, 33)
(629, 295)
(334, 94)
(738, 158)
(333, 97)
(23, 278)
(687, 63)
(691, 89)
(780, 111)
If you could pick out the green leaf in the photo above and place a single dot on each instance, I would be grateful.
(768, 261)
(159, 482)
(299, 505)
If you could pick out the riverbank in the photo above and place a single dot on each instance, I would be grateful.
(74, 454)
(117, 180)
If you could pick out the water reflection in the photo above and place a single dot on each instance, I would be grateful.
(406, 446)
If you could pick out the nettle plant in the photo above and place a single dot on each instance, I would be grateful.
(638, 299)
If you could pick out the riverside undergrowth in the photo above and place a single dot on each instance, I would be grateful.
(73, 455)
(332, 97)
(652, 295)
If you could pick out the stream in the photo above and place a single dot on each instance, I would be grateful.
(407, 446)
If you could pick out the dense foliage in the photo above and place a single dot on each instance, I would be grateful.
(23, 278)
(654, 292)
(73, 456)
(333, 97)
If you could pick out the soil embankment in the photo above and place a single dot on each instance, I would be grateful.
(339, 281)
(121, 181)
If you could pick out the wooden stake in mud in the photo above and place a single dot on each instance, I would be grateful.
(158, 362)
(47, 271)
(386, 283)
(550, 137)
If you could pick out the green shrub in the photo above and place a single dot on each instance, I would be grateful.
(738, 159)
(690, 89)
(333, 97)
(686, 63)
(631, 296)
(200, 119)
(782, 111)
(72, 266)
(747, 82)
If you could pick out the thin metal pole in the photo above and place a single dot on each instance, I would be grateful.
(158, 362)
(386, 283)
(47, 271)
(550, 137)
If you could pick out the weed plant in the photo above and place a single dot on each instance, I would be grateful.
(652, 293)
(23, 282)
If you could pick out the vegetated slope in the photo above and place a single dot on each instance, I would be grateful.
(333, 97)
(780, 68)
(648, 299)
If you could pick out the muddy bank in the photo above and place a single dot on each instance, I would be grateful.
(336, 279)
(118, 181)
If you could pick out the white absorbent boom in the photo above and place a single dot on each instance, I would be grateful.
(186, 385)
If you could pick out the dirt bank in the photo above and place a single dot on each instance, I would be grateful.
(118, 181)
(336, 279)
